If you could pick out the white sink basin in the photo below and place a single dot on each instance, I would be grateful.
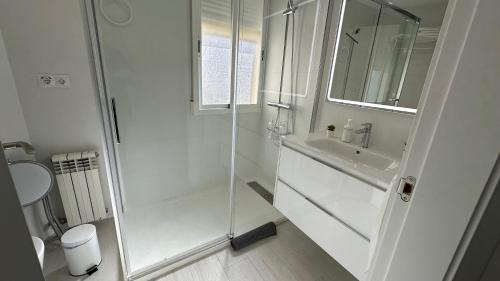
(353, 153)
(371, 166)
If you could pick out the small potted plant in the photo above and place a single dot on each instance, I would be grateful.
(330, 130)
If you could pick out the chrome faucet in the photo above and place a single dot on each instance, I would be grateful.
(366, 130)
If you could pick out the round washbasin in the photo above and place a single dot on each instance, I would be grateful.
(32, 180)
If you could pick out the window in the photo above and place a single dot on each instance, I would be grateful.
(212, 33)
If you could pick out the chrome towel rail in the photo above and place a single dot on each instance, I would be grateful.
(28, 148)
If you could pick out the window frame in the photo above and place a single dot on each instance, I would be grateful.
(197, 107)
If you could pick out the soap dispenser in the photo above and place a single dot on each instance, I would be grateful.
(348, 133)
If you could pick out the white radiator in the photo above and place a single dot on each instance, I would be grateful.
(77, 176)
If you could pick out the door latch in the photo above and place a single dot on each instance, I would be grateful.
(406, 187)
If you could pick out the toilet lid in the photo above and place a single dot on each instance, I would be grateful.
(32, 180)
(78, 235)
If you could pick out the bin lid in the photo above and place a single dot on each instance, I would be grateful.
(78, 235)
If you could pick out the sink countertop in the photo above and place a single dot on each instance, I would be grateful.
(382, 178)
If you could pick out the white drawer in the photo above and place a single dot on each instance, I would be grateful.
(355, 202)
(348, 248)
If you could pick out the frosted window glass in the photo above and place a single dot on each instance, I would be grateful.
(216, 69)
(246, 75)
(216, 54)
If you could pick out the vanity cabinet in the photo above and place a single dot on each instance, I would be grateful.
(336, 210)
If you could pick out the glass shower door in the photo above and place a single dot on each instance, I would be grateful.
(174, 162)
(254, 172)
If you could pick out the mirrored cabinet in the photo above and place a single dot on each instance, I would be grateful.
(372, 55)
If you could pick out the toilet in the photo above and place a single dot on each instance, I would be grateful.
(81, 249)
(40, 249)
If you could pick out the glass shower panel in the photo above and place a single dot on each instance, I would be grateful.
(290, 53)
(355, 45)
(174, 165)
(255, 157)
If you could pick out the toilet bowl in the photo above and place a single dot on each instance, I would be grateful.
(40, 249)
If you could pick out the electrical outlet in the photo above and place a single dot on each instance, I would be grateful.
(53, 80)
(61, 81)
(46, 80)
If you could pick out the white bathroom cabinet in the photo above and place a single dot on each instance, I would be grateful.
(339, 212)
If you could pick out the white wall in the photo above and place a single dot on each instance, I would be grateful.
(12, 123)
(49, 36)
(13, 128)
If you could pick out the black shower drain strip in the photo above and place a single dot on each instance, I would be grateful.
(268, 196)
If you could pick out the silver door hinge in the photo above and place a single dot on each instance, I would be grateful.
(406, 188)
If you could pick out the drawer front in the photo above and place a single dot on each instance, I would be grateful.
(351, 200)
(340, 242)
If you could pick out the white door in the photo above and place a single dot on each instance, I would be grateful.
(452, 149)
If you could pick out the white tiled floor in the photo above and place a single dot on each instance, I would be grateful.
(171, 227)
(289, 256)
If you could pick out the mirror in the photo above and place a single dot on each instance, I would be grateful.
(382, 52)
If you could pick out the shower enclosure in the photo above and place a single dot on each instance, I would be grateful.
(195, 96)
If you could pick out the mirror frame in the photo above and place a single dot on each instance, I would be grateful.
(331, 66)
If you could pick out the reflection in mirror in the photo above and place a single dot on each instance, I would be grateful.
(382, 52)
(354, 49)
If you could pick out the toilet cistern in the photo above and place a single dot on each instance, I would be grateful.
(365, 130)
